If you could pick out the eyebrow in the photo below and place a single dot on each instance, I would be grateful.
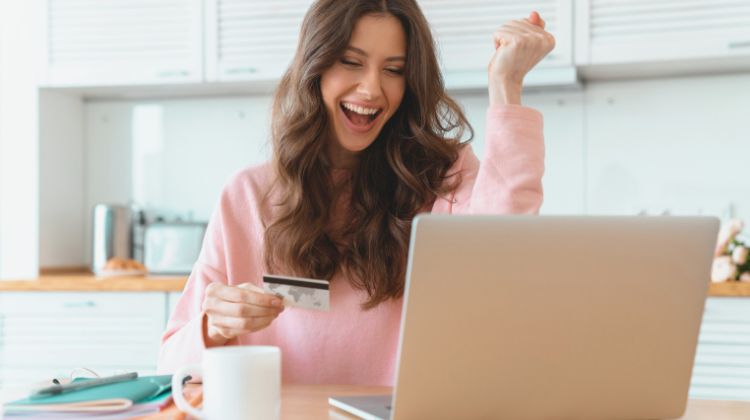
(362, 52)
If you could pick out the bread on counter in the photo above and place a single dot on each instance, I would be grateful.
(124, 264)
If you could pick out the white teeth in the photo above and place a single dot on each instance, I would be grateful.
(359, 110)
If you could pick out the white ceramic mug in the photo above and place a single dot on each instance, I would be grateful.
(239, 382)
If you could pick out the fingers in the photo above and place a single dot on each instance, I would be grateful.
(537, 20)
(244, 310)
(256, 296)
(524, 26)
(237, 310)
(516, 30)
(240, 294)
(519, 46)
(214, 304)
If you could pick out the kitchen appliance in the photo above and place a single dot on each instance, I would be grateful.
(113, 234)
(172, 247)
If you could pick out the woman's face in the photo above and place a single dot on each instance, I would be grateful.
(364, 88)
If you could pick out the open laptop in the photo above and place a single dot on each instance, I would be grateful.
(529, 317)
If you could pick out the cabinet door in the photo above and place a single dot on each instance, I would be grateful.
(463, 31)
(251, 39)
(121, 42)
(611, 31)
(48, 334)
(722, 361)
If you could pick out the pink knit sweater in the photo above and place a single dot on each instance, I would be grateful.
(346, 345)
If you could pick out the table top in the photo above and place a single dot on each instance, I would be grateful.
(311, 402)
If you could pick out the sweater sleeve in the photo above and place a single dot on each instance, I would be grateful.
(509, 179)
(182, 342)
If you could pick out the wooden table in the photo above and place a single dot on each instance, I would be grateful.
(311, 402)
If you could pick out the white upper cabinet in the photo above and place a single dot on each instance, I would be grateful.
(183, 43)
(641, 31)
(251, 39)
(118, 42)
(463, 30)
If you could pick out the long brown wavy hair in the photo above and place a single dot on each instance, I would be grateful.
(399, 174)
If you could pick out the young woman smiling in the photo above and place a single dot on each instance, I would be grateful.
(364, 138)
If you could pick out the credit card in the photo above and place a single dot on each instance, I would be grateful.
(299, 292)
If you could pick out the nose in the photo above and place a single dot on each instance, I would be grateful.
(369, 86)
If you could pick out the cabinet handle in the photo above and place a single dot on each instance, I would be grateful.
(241, 70)
(86, 304)
(173, 73)
(739, 44)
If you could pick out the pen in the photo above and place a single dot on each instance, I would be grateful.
(75, 386)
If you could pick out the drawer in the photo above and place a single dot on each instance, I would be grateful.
(56, 332)
(722, 360)
(78, 303)
(727, 308)
(719, 393)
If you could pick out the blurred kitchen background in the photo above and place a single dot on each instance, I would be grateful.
(155, 103)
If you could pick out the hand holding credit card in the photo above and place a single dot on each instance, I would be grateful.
(297, 291)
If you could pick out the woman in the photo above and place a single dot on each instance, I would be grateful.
(365, 138)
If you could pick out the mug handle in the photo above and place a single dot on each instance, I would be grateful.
(179, 399)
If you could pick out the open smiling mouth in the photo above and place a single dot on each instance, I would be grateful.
(363, 119)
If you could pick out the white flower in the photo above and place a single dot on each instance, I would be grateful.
(745, 276)
(726, 234)
(739, 255)
(723, 269)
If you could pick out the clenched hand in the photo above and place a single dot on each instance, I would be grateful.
(519, 46)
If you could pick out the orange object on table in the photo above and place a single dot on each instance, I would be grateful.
(193, 394)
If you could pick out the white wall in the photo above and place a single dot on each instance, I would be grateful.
(677, 144)
(173, 155)
(624, 147)
(19, 192)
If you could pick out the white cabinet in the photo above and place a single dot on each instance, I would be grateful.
(116, 42)
(463, 31)
(93, 43)
(722, 361)
(251, 40)
(640, 31)
(48, 334)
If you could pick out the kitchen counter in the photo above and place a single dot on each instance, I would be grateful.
(87, 282)
(81, 282)
(729, 289)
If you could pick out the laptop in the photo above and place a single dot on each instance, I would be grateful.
(529, 317)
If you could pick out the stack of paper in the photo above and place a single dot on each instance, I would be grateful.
(137, 397)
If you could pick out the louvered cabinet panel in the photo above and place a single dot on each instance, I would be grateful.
(251, 39)
(463, 31)
(53, 333)
(122, 42)
(625, 31)
(722, 361)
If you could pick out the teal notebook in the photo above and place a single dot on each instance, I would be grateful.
(110, 397)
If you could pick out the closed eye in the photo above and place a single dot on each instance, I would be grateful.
(354, 64)
(350, 63)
